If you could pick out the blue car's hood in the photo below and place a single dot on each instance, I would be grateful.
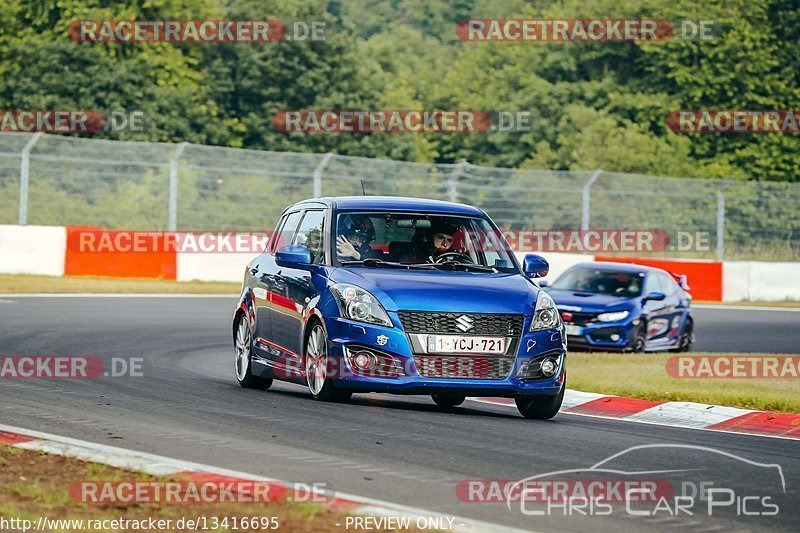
(589, 303)
(434, 290)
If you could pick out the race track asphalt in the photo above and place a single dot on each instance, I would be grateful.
(399, 449)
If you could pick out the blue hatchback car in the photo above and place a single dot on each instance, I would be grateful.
(624, 307)
(399, 295)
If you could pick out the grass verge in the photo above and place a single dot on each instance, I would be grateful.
(645, 376)
(24, 284)
(35, 484)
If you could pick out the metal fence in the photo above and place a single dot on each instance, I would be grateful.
(58, 180)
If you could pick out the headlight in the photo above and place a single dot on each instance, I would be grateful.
(545, 316)
(357, 304)
(612, 317)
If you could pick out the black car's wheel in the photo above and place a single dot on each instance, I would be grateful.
(320, 384)
(540, 407)
(686, 338)
(242, 353)
(639, 340)
(447, 401)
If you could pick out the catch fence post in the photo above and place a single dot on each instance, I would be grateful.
(587, 200)
(173, 186)
(318, 174)
(720, 225)
(24, 177)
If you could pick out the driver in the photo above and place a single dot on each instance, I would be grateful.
(354, 237)
(441, 241)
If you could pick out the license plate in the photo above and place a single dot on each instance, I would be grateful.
(459, 344)
(573, 330)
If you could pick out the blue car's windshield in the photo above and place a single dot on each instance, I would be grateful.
(443, 241)
(600, 281)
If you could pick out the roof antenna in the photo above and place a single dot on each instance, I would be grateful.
(363, 190)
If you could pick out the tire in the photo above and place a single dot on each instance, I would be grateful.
(685, 340)
(242, 357)
(540, 407)
(639, 340)
(447, 401)
(320, 385)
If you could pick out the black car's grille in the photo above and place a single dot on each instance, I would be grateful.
(441, 323)
(581, 319)
(463, 367)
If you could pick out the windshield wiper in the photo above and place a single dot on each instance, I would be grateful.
(451, 265)
(380, 263)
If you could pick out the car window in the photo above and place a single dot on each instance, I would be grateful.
(668, 284)
(420, 238)
(285, 230)
(600, 281)
(310, 234)
(653, 284)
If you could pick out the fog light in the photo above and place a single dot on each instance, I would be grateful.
(549, 367)
(614, 337)
(363, 360)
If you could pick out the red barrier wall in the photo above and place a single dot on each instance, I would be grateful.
(704, 277)
(116, 264)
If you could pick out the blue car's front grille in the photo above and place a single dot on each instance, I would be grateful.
(448, 323)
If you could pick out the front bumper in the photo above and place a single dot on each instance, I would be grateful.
(394, 342)
(601, 335)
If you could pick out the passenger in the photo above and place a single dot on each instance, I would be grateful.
(354, 237)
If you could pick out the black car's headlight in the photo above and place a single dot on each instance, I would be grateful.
(357, 304)
(545, 316)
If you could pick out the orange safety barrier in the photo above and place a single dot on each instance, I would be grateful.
(85, 256)
(704, 277)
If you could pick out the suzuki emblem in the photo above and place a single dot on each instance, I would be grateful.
(464, 323)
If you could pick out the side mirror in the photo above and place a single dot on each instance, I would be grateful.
(535, 266)
(295, 256)
(655, 296)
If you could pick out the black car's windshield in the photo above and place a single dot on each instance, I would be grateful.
(402, 240)
(600, 281)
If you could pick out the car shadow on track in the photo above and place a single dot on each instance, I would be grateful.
(395, 402)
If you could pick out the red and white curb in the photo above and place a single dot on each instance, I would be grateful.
(675, 414)
(164, 466)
